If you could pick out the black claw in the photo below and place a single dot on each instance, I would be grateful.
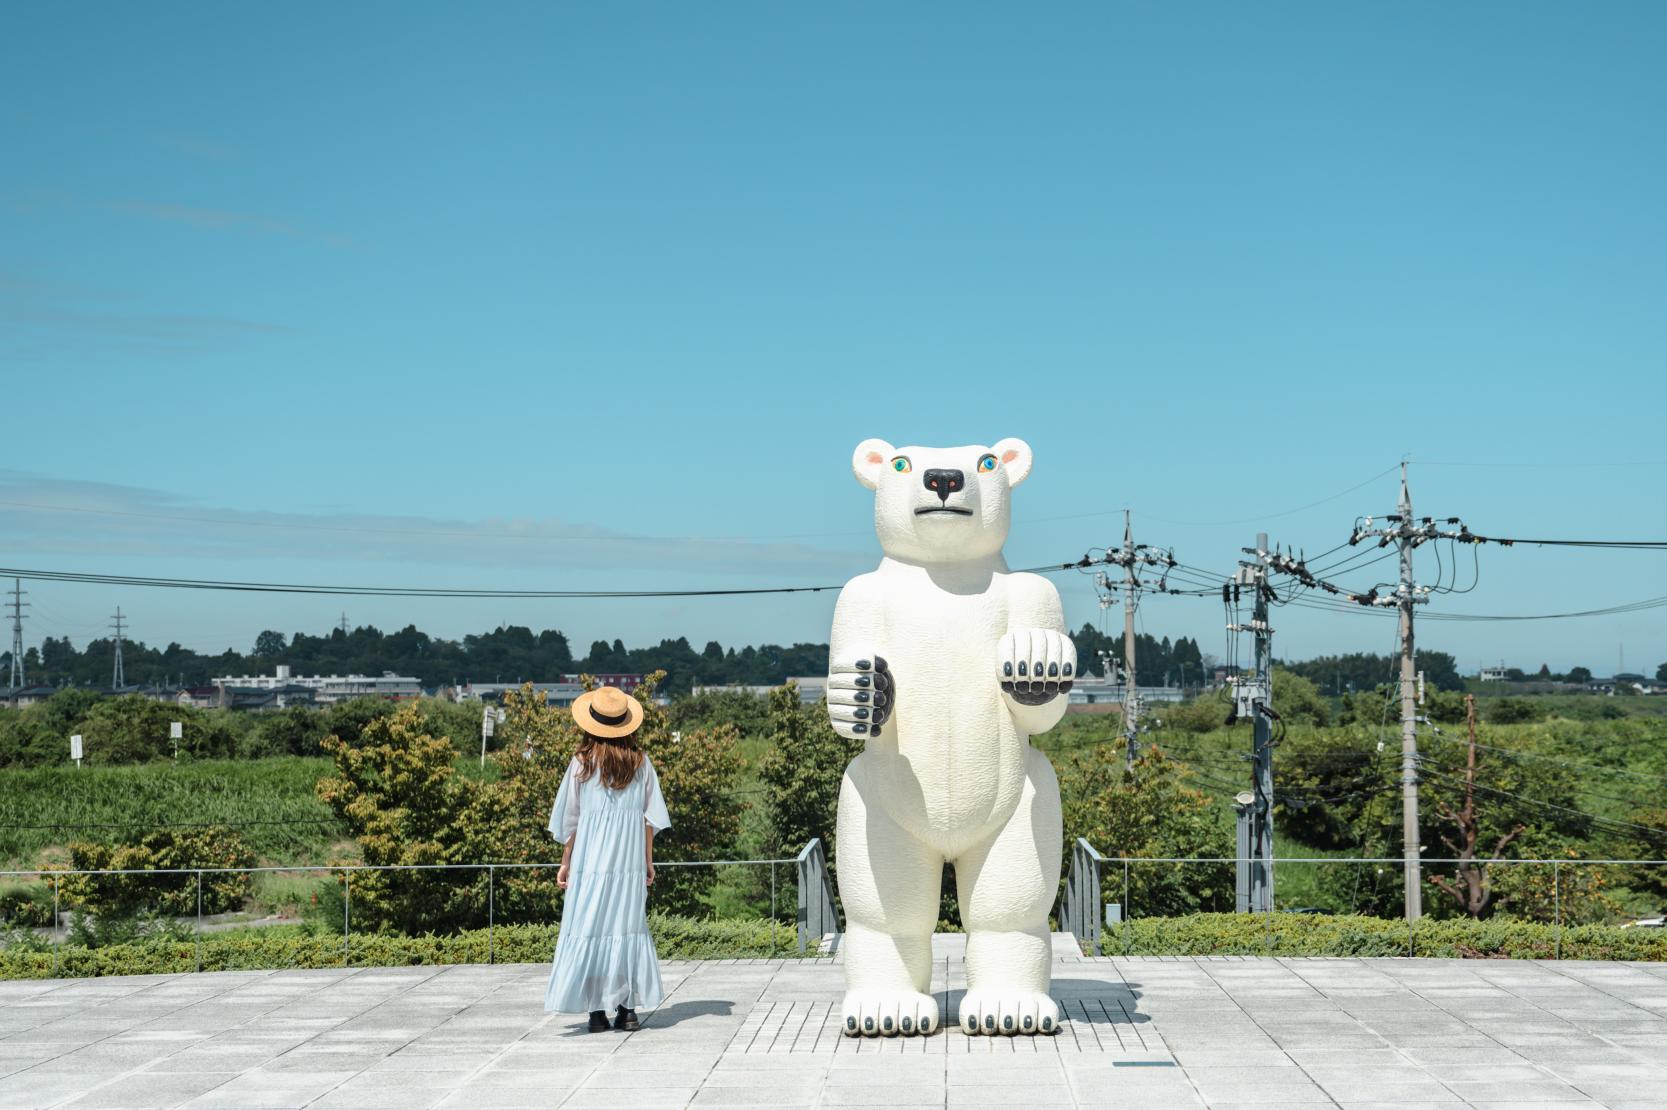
(1047, 1025)
(860, 714)
(1037, 670)
(863, 664)
(1007, 1024)
(1028, 1022)
(1067, 670)
(990, 1022)
(887, 1025)
(868, 1025)
(851, 1024)
(1053, 670)
(1007, 668)
(859, 728)
(862, 681)
(1022, 670)
(908, 1025)
(861, 697)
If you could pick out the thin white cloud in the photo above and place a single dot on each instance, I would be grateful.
(219, 219)
(48, 517)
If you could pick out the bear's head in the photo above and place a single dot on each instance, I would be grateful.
(941, 504)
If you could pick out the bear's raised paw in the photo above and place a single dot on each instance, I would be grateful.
(861, 693)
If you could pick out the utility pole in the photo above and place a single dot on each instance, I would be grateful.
(1131, 690)
(1253, 698)
(18, 605)
(1411, 849)
(118, 679)
(1130, 556)
(1406, 533)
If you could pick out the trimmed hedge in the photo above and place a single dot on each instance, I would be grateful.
(287, 946)
(1292, 934)
(1204, 934)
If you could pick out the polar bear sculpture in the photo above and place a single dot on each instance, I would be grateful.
(946, 663)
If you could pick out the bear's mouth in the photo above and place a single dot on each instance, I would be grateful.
(951, 509)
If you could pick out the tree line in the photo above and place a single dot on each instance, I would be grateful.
(512, 653)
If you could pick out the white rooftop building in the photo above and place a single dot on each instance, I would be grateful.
(330, 688)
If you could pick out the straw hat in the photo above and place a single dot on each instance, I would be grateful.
(608, 713)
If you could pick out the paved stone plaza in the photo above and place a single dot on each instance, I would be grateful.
(1141, 1032)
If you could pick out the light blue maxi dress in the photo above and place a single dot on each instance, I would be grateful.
(604, 955)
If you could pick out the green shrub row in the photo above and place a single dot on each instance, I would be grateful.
(1291, 934)
(295, 946)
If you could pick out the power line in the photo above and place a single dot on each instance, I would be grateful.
(1650, 829)
(1271, 516)
(392, 591)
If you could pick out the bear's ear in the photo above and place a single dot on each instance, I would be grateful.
(870, 460)
(1014, 456)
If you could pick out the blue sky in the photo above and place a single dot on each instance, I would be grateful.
(604, 296)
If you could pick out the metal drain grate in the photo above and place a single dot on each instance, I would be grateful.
(1102, 1026)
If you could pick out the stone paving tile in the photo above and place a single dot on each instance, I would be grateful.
(1264, 1032)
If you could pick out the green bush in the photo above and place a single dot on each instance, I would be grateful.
(174, 892)
(295, 946)
(1291, 934)
(1514, 711)
(27, 905)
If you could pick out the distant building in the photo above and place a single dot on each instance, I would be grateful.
(198, 697)
(328, 689)
(256, 700)
(562, 693)
(1500, 673)
(625, 682)
(812, 688)
(1090, 690)
(30, 695)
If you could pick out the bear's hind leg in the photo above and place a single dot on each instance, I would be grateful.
(1006, 886)
(888, 884)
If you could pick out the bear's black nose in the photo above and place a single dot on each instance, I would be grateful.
(944, 482)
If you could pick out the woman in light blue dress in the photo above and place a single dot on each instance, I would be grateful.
(606, 814)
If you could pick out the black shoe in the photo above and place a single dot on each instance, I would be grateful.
(599, 1021)
(626, 1020)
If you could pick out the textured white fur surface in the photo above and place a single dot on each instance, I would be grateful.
(951, 774)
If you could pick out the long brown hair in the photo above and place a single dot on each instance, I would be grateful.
(617, 759)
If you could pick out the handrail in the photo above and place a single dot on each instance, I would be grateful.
(45, 871)
(1079, 902)
(818, 915)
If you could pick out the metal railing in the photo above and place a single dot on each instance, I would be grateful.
(1081, 908)
(818, 917)
(1079, 903)
(815, 898)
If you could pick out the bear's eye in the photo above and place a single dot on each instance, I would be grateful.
(901, 464)
(987, 463)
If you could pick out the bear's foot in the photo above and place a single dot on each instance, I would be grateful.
(889, 1013)
(999, 1012)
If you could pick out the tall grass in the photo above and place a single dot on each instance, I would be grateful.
(270, 801)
